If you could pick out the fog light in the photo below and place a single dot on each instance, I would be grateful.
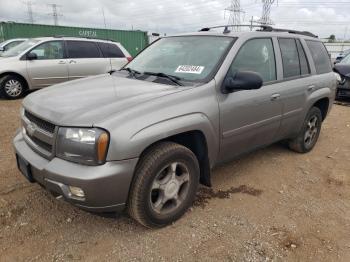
(76, 191)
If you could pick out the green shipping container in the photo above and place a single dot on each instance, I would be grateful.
(133, 41)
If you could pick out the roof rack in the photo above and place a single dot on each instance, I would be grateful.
(272, 29)
(263, 28)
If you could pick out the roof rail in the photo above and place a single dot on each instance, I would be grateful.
(263, 28)
(272, 29)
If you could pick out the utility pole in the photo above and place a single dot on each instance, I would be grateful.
(265, 18)
(55, 13)
(235, 14)
(29, 5)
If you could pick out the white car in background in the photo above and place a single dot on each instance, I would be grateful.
(8, 44)
(41, 62)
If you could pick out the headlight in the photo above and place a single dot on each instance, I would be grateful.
(82, 145)
(338, 77)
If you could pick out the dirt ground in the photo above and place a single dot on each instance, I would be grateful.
(271, 205)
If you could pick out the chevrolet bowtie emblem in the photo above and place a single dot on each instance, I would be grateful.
(31, 127)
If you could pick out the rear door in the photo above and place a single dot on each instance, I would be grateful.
(50, 67)
(85, 59)
(113, 52)
(296, 85)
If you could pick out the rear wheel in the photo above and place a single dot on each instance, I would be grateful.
(164, 186)
(309, 133)
(12, 87)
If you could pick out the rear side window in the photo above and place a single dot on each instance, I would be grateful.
(256, 55)
(82, 49)
(110, 50)
(320, 56)
(290, 57)
(304, 65)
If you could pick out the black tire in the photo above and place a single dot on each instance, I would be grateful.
(20, 88)
(152, 165)
(302, 145)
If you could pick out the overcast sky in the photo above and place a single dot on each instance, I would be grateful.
(168, 16)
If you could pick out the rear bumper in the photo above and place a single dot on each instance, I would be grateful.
(106, 187)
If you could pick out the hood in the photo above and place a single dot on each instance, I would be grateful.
(343, 69)
(88, 101)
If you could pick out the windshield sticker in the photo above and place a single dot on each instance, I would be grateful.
(190, 69)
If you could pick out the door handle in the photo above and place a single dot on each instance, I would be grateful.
(275, 97)
(61, 62)
(311, 88)
(72, 62)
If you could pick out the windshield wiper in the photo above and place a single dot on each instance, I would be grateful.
(131, 71)
(174, 79)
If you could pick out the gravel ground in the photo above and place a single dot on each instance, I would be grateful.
(270, 205)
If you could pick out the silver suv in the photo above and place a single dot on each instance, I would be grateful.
(144, 137)
(41, 62)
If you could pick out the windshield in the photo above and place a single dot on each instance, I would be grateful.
(191, 58)
(345, 60)
(15, 51)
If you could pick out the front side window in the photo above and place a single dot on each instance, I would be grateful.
(190, 58)
(49, 50)
(82, 49)
(256, 55)
(320, 57)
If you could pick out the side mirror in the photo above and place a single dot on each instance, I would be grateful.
(242, 80)
(32, 56)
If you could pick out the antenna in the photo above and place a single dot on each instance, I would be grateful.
(55, 13)
(235, 14)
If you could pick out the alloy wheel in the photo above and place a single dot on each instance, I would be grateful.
(170, 188)
(13, 88)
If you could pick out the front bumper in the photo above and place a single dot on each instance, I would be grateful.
(106, 187)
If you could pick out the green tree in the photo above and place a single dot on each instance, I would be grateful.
(331, 38)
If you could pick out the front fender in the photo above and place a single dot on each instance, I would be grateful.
(140, 140)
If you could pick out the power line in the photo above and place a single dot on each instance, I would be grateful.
(265, 17)
(55, 13)
(235, 14)
(29, 5)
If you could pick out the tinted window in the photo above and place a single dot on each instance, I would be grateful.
(304, 65)
(49, 50)
(320, 57)
(110, 50)
(256, 55)
(290, 57)
(82, 49)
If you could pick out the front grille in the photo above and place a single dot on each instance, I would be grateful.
(39, 134)
(47, 126)
(41, 144)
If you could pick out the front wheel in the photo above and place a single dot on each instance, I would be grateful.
(309, 133)
(12, 87)
(164, 186)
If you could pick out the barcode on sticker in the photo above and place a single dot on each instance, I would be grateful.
(190, 69)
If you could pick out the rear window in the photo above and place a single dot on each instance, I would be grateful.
(82, 49)
(320, 57)
(110, 50)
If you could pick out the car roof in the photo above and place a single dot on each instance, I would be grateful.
(249, 34)
(74, 38)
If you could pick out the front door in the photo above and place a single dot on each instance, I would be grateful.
(251, 118)
(50, 67)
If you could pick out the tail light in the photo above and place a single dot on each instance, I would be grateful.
(129, 58)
